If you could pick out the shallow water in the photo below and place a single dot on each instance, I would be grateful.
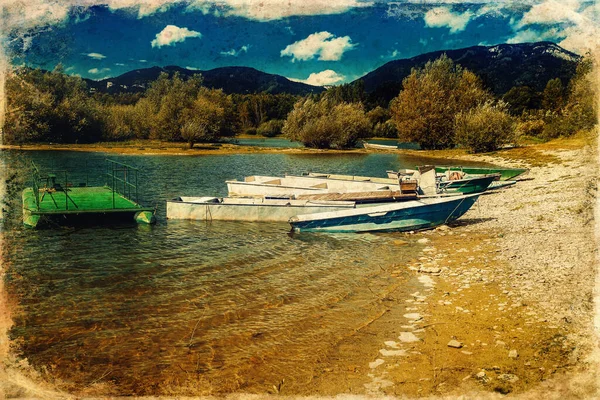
(207, 307)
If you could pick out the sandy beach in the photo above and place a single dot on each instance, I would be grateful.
(505, 301)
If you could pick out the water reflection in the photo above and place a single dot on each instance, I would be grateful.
(212, 307)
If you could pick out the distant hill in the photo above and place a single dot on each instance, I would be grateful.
(230, 79)
(500, 67)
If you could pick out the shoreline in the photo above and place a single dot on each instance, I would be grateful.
(517, 272)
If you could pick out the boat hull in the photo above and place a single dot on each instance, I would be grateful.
(260, 186)
(505, 173)
(250, 210)
(408, 216)
(467, 186)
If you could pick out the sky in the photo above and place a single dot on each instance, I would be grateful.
(320, 42)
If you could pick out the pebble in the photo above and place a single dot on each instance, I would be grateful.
(513, 354)
(455, 344)
(423, 241)
(376, 363)
(400, 242)
(413, 316)
(508, 378)
(391, 353)
(430, 270)
(408, 337)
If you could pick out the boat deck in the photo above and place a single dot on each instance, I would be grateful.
(55, 199)
(79, 200)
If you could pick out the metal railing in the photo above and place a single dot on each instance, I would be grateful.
(122, 179)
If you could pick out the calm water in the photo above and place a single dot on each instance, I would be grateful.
(211, 307)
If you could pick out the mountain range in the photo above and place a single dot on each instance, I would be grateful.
(500, 67)
(230, 79)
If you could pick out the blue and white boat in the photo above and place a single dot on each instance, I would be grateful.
(404, 216)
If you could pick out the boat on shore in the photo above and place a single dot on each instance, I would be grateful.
(404, 216)
(466, 185)
(505, 173)
(290, 186)
(248, 209)
(358, 178)
(376, 146)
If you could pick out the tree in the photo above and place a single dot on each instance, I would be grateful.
(202, 122)
(271, 128)
(484, 128)
(322, 124)
(209, 117)
(168, 98)
(581, 108)
(521, 99)
(430, 98)
(553, 95)
(50, 106)
(347, 93)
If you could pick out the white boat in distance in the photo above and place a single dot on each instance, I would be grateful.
(379, 146)
(248, 209)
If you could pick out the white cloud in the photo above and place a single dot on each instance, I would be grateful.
(268, 10)
(324, 44)
(96, 56)
(173, 34)
(392, 54)
(120, 64)
(440, 17)
(234, 52)
(192, 68)
(97, 71)
(323, 78)
(533, 35)
(143, 61)
(144, 8)
(552, 12)
(574, 22)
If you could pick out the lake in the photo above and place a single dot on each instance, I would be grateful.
(192, 307)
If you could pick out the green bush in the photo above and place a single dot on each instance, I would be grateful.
(385, 129)
(484, 128)
(324, 124)
(430, 98)
(270, 128)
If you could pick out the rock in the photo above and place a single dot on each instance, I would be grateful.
(442, 228)
(430, 270)
(392, 353)
(400, 242)
(376, 363)
(500, 343)
(408, 337)
(513, 354)
(413, 316)
(455, 344)
(466, 352)
(508, 378)
(480, 375)
(423, 241)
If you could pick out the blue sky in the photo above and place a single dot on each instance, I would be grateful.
(318, 41)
